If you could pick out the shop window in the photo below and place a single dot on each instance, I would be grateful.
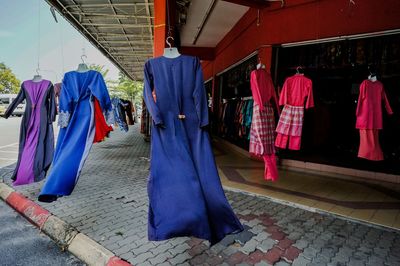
(233, 100)
(337, 69)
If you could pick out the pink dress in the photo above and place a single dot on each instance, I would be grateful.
(262, 132)
(296, 92)
(369, 118)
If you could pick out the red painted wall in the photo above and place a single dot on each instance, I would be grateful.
(301, 20)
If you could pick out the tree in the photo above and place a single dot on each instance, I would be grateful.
(124, 87)
(127, 89)
(100, 69)
(8, 81)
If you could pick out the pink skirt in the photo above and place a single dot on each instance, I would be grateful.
(262, 131)
(370, 148)
(291, 121)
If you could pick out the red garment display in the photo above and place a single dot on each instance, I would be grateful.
(102, 130)
(369, 118)
(369, 108)
(262, 132)
(370, 148)
(262, 88)
(296, 92)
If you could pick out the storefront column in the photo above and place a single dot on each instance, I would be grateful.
(160, 33)
(160, 26)
(265, 54)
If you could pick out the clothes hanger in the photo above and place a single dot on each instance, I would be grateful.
(372, 74)
(299, 70)
(170, 52)
(37, 77)
(82, 67)
(260, 65)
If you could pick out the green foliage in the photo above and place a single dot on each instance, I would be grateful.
(8, 81)
(100, 69)
(124, 87)
(127, 89)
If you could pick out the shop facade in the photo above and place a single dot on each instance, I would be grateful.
(334, 42)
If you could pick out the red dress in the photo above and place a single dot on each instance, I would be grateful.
(296, 91)
(262, 133)
(101, 128)
(369, 118)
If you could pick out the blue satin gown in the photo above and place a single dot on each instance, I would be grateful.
(185, 193)
(77, 128)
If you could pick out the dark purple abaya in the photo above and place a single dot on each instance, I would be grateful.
(36, 142)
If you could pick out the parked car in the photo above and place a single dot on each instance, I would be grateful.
(6, 100)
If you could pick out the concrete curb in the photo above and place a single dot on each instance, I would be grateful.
(66, 236)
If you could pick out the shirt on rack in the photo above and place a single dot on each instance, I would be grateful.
(369, 107)
(262, 88)
(296, 90)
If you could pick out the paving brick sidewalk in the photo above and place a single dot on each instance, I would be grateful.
(110, 205)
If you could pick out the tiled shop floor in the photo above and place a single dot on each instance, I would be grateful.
(377, 204)
(109, 204)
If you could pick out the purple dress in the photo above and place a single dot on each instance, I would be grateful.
(36, 142)
(185, 193)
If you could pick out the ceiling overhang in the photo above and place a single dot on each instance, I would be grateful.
(121, 29)
(250, 3)
(207, 23)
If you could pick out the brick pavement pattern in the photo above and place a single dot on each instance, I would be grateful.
(110, 203)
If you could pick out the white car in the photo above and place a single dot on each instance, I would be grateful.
(6, 100)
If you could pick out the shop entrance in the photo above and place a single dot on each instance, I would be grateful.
(337, 70)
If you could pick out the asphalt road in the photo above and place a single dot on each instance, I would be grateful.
(9, 136)
(22, 244)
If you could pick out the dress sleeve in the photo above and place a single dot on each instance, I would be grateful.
(14, 104)
(148, 95)
(65, 104)
(99, 90)
(361, 97)
(310, 97)
(256, 90)
(52, 107)
(199, 96)
(386, 102)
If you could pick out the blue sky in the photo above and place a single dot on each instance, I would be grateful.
(60, 44)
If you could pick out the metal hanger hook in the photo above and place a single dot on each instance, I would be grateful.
(37, 71)
(82, 56)
(169, 44)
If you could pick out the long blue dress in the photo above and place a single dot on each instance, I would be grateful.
(185, 193)
(77, 128)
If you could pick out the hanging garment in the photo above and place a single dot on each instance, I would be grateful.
(369, 118)
(144, 127)
(119, 114)
(262, 132)
(36, 140)
(102, 130)
(128, 108)
(57, 91)
(296, 91)
(370, 148)
(77, 130)
(185, 193)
